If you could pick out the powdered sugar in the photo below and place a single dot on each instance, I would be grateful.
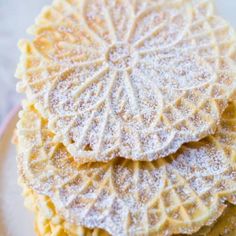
(132, 197)
(118, 73)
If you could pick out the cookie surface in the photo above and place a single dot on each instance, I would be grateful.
(134, 79)
(224, 226)
(48, 222)
(177, 194)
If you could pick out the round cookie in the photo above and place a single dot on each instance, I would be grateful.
(177, 194)
(48, 222)
(128, 78)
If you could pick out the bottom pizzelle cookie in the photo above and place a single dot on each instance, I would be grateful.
(224, 226)
(178, 194)
(48, 223)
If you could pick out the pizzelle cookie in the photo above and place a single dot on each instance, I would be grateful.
(225, 225)
(128, 78)
(48, 222)
(177, 194)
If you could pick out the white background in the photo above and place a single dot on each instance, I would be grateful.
(16, 16)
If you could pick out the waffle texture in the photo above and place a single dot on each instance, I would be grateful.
(47, 220)
(178, 194)
(128, 78)
(129, 123)
(49, 223)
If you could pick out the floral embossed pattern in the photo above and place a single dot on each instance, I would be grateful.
(176, 194)
(135, 79)
(46, 219)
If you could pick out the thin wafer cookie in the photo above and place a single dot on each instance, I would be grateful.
(177, 194)
(48, 222)
(224, 226)
(135, 79)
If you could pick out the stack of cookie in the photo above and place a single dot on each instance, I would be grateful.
(129, 122)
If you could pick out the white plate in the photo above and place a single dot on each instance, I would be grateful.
(14, 219)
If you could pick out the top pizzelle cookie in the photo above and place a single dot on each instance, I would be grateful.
(135, 79)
